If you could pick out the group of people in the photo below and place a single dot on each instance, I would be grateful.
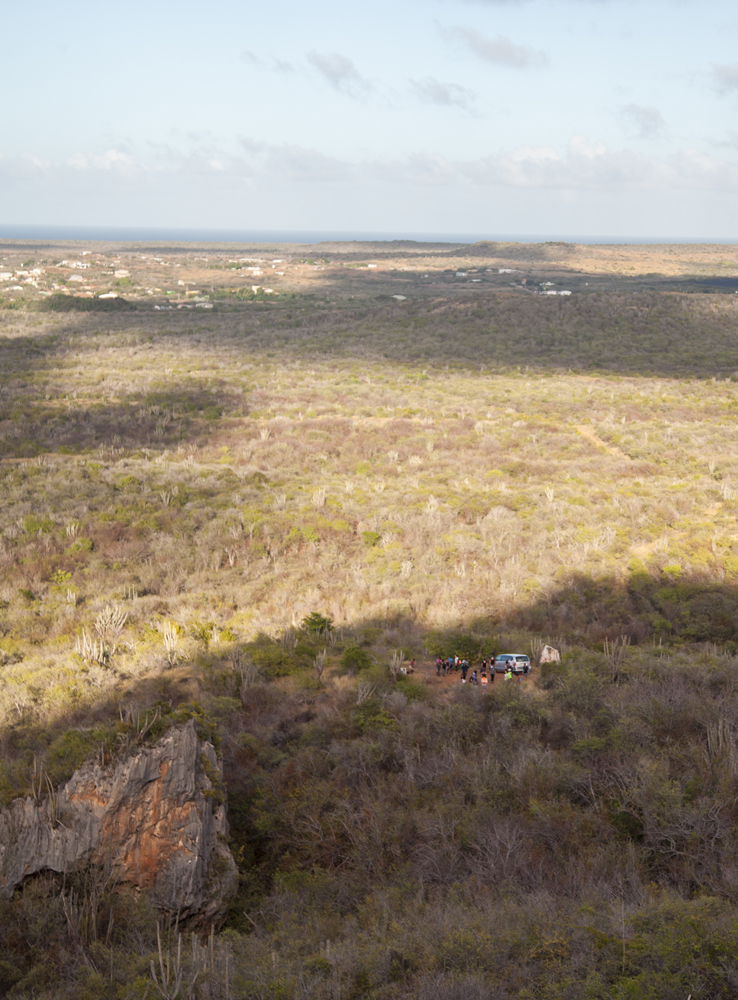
(455, 663)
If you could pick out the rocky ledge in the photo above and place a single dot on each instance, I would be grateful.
(155, 821)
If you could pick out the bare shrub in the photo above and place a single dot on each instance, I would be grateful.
(91, 650)
(395, 663)
(109, 625)
(170, 636)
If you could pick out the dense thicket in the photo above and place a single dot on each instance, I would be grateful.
(572, 837)
(643, 333)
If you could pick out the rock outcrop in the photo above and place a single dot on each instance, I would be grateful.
(155, 821)
(549, 655)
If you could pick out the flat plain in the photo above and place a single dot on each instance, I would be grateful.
(433, 449)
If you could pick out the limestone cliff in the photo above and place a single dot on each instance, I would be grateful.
(156, 821)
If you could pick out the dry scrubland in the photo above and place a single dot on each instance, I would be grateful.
(474, 467)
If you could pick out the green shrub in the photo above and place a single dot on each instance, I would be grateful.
(355, 659)
(201, 631)
(370, 717)
(74, 303)
(412, 690)
(13, 781)
(74, 748)
(271, 658)
(316, 623)
(81, 545)
(462, 644)
(33, 524)
(127, 482)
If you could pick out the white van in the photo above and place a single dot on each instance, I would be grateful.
(519, 663)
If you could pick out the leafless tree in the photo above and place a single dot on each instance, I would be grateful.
(396, 662)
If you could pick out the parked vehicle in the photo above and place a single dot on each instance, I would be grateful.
(519, 663)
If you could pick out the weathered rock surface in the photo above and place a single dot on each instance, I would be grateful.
(156, 821)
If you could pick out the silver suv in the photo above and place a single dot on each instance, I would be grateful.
(519, 663)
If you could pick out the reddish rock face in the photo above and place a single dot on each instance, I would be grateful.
(156, 819)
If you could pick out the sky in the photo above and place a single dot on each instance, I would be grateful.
(612, 118)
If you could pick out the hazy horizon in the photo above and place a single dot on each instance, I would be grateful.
(143, 234)
(599, 117)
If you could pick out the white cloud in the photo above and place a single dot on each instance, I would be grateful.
(593, 166)
(579, 166)
(499, 51)
(418, 168)
(204, 160)
(726, 77)
(251, 58)
(252, 146)
(294, 162)
(273, 64)
(731, 142)
(112, 159)
(642, 122)
(339, 71)
(432, 91)
(282, 66)
(36, 161)
(300, 164)
(79, 161)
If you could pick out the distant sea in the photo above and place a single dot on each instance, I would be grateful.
(141, 234)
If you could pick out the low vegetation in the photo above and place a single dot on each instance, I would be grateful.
(72, 303)
(249, 513)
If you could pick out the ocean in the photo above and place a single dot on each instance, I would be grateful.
(143, 234)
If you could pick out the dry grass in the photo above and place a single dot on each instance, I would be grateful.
(466, 469)
(236, 467)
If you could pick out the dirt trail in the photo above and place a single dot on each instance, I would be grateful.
(648, 548)
(454, 679)
(591, 435)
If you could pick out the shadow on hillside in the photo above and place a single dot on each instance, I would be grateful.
(668, 608)
(181, 411)
(84, 429)
(639, 332)
(648, 610)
